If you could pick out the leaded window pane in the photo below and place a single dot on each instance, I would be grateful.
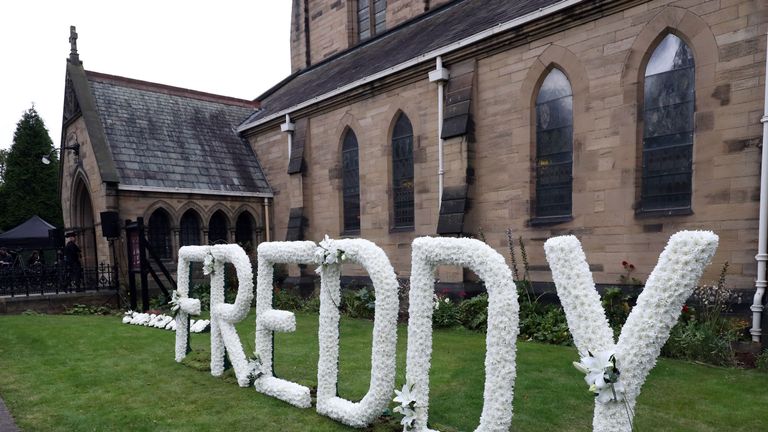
(363, 19)
(554, 146)
(189, 228)
(668, 122)
(402, 172)
(350, 182)
(217, 228)
(380, 15)
(371, 18)
(160, 234)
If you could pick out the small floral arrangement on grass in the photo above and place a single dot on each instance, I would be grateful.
(328, 253)
(254, 369)
(407, 406)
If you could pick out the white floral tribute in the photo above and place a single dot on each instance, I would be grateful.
(503, 328)
(330, 254)
(648, 326)
(162, 321)
(224, 316)
(270, 320)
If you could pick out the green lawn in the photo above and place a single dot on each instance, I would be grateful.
(85, 373)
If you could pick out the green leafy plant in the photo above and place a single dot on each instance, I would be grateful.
(703, 332)
(445, 313)
(761, 362)
(473, 313)
(285, 299)
(544, 323)
(359, 303)
(616, 305)
(83, 309)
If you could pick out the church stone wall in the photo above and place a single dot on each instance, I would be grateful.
(604, 60)
(84, 168)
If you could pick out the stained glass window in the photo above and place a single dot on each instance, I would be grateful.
(402, 172)
(350, 178)
(189, 228)
(554, 146)
(159, 231)
(668, 120)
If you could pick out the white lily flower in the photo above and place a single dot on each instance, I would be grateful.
(405, 396)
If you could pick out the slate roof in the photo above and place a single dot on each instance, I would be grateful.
(443, 26)
(166, 137)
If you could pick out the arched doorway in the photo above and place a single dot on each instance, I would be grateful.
(82, 221)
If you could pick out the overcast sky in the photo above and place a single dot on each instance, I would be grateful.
(227, 47)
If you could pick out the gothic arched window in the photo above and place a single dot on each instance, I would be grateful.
(371, 18)
(350, 178)
(554, 146)
(668, 111)
(244, 230)
(402, 172)
(217, 228)
(159, 231)
(189, 228)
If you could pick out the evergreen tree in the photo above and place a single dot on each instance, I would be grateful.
(30, 187)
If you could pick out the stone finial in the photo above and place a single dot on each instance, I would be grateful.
(73, 56)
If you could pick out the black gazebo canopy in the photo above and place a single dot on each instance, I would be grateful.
(32, 234)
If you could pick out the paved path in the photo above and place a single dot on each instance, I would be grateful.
(6, 421)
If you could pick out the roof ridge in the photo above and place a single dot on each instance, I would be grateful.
(351, 49)
(170, 90)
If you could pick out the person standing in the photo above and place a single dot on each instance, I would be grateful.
(72, 261)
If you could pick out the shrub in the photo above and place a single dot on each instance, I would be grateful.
(544, 323)
(703, 333)
(284, 299)
(445, 313)
(358, 303)
(311, 304)
(705, 341)
(616, 306)
(762, 361)
(473, 313)
(82, 309)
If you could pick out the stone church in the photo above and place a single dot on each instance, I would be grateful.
(620, 122)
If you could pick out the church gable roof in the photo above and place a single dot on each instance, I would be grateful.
(167, 138)
(443, 26)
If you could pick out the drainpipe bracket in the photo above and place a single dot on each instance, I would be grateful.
(287, 127)
(439, 75)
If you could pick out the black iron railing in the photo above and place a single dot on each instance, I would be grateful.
(55, 279)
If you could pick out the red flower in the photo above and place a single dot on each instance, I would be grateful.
(685, 309)
(631, 266)
(624, 264)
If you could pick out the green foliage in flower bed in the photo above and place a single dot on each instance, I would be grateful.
(84, 373)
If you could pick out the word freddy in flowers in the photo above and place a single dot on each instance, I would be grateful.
(628, 363)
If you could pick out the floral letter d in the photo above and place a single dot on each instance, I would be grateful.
(503, 315)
